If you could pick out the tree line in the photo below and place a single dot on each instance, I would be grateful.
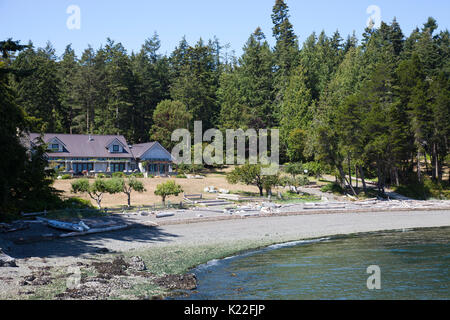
(378, 106)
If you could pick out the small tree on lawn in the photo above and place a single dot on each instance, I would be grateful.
(250, 174)
(296, 182)
(269, 182)
(129, 185)
(294, 169)
(95, 190)
(167, 189)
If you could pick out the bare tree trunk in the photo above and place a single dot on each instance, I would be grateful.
(439, 166)
(418, 166)
(363, 181)
(435, 163)
(380, 179)
(397, 182)
(342, 175)
(349, 170)
(97, 197)
(261, 190)
(351, 187)
(344, 179)
(356, 176)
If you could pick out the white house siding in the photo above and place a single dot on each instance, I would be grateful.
(158, 158)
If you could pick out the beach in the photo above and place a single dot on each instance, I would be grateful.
(175, 248)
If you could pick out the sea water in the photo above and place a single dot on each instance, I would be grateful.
(410, 264)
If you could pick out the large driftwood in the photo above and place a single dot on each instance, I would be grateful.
(32, 214)
(6, 261)
(164, 214)
(68, 226)
(52, 236)
(91, 231)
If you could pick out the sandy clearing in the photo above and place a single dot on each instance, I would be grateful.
(190, 186)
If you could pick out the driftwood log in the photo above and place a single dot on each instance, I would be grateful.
(91, 231)
(164, 214)
(52, 236)
(6, 261)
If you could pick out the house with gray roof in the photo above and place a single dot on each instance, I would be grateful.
(153, 158)
(92, 154)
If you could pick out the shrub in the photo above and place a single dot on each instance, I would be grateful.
(294, 169)
(189, 168)
(66, 176)
(138, 175)
(301, 181)
(250, 174)
(425, 190)
(76, 203)
(332, 187)
(181, 176)
(298, 181)
(118, 175)
(314, 169)
(102, 175)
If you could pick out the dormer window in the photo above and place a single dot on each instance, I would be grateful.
(56, 145)
(116, 146)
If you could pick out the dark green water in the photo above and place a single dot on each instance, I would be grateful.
(413, 265)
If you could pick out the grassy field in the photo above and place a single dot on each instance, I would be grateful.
(190, 186)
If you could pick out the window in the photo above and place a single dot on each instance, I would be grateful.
(115, 148)
(80, 167)
(55, 146)
(117, 167)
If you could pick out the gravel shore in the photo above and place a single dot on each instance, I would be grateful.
(264, 230)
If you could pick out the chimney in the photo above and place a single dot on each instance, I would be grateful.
(91, 138)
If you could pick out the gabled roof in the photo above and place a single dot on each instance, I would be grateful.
(58, 140)
(80, 146)
(140, 149)
(114, 140)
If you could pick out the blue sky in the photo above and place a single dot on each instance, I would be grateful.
(232, 21)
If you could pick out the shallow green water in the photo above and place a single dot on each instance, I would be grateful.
(413, 265)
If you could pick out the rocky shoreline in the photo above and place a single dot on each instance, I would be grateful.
(154, 263)
(105, 280)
